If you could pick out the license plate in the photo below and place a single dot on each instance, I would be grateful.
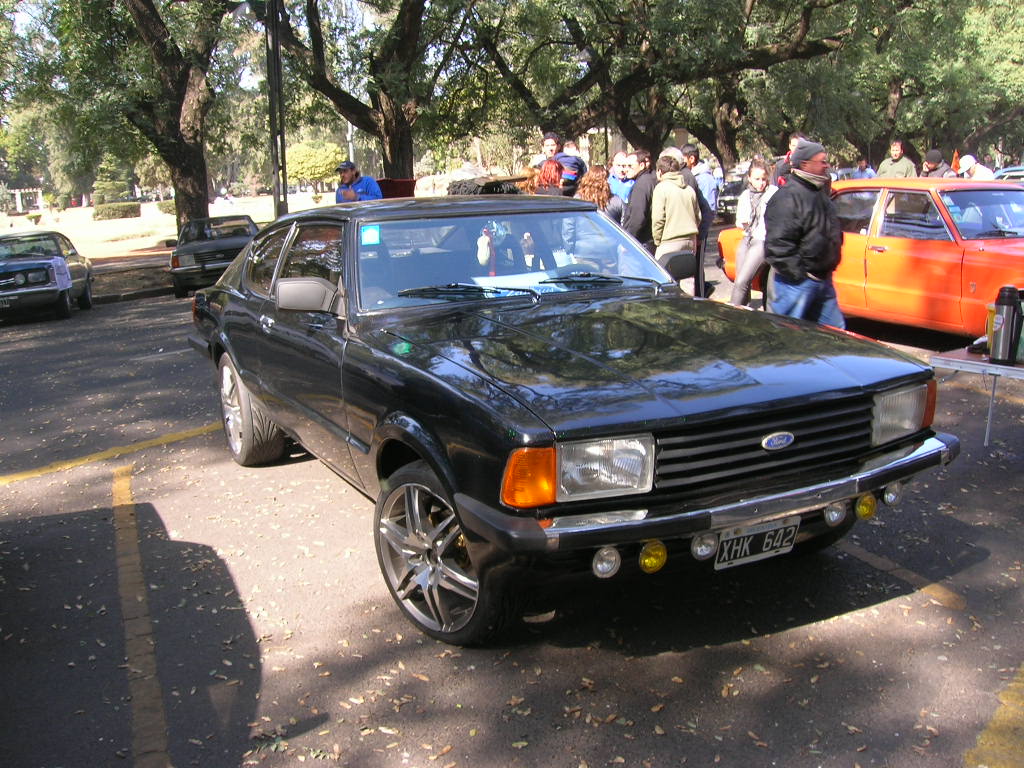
(4, 303)
(748, 544)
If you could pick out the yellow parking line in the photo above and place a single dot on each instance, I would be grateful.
(1001, 744)
(110, 453)
(148, 718)
(942, 595)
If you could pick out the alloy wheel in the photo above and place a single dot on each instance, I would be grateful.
(425, 559)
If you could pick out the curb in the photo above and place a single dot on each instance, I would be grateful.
(147, 293)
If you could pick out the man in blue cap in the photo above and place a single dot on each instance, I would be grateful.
(353, 186)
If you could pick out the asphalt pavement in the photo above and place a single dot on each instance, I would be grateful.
(161, 605)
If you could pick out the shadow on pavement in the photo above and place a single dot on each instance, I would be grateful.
(62, 640)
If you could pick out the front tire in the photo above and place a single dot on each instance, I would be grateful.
(62, 307)
(180, 291)
(253, 438)
(425, 560)
(85, 297)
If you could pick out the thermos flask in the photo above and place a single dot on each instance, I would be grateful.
(1006, 327)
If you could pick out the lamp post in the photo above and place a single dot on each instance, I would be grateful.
(277, 148)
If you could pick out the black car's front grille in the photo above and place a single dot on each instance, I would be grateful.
(726, 460)
(213, 257)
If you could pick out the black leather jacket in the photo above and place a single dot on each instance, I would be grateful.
(802, 231)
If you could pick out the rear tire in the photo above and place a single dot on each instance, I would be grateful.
(62, 307)
(252, 437)
(425, 559)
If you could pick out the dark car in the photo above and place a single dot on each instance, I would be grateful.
(205, 248)
(519, 411)
(728, 198)
(40, 270)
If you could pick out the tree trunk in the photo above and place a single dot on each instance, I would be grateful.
(394, 137)
(188, 174)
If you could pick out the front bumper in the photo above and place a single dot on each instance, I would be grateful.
(199, 275)
(27, 298)
(514, 534)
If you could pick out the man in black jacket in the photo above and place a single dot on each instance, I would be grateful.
(803, 241)
(637, 219)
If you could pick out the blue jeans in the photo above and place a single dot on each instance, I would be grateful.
(808, 299)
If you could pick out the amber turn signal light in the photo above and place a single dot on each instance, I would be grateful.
(529, 479)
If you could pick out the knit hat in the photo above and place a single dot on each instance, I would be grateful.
(805, 150)
(933, 156)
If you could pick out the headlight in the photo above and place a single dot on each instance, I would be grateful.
(584, 469)
(39, 276)
(184, 260)
(902, 412)
(19, 279)
(591, 469)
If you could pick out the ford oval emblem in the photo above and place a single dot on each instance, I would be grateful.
(776, 441)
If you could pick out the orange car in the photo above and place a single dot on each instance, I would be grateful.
(931, 253)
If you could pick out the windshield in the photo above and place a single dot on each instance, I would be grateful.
(216, 229)
(986, 214)
(41, 246)
(405, 263)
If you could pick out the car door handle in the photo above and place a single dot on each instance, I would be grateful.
(878, 248)
(266, 323)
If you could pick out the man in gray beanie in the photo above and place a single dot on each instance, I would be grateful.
(802, 241)
(935, 167)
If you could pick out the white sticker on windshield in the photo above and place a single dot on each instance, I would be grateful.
(369, 234)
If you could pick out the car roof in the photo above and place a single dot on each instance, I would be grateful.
(451, 205)
(917, 183)
(33, 234)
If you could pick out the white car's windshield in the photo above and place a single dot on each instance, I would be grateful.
(409, 262)
(984, 214)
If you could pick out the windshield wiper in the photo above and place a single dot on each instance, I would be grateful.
(595, 277)
(463, 290)
(583, 277)
(995, 233)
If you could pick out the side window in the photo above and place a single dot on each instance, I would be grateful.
(912, 215)
(263, 260)
(315, 252)
(66, 249)
(854, 210)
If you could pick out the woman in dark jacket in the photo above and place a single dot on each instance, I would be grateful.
(593, 188)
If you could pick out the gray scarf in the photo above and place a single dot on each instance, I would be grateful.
(812, 178)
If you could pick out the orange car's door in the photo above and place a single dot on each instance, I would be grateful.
(854, 207)
(913, 264)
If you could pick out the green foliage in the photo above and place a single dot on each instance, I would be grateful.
(314, 161)
(166, 206)
(117, 211)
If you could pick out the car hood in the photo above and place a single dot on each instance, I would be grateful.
(18, 263)
(642, 359)
(230, 245)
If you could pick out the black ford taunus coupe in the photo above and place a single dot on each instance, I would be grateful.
(525, 392)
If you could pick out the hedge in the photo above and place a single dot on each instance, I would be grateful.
(117, 211)
(165, 206)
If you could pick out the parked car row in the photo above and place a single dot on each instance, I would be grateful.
(526, 394)
(931, 253)
(42, 270)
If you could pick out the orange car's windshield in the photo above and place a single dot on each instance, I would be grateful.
(987, 214)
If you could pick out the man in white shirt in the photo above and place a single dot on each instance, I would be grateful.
(972, 169)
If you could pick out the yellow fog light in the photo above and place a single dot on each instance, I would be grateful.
(653, 556)
(866, 506)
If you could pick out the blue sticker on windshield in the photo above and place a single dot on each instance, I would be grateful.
(369, 234)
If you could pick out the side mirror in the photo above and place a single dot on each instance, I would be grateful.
(306, 294)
